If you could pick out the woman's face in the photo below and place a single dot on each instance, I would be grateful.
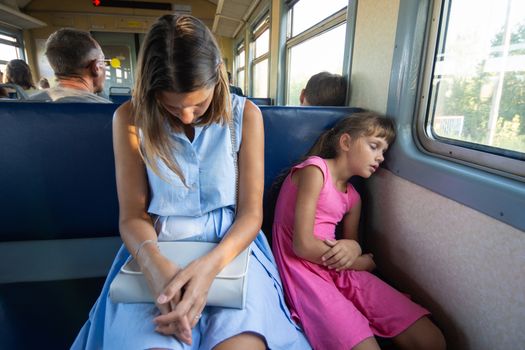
(188, 106)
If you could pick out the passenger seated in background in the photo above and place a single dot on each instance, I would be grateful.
(324, 89)
(18, 72)
(234, 89)
(43, 84)
(3, 93)
(78, 63)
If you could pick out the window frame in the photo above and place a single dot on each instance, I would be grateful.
(240, 47)
(18, 43)
(257, 29)
(497, 196)
(336, 19)
(496, 160)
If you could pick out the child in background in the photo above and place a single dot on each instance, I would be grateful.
(328, 286)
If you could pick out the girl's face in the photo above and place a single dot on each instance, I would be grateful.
(187, 107)
(365, 154)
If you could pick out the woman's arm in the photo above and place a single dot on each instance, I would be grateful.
(197, 277)
(132, 187)
(248, 219)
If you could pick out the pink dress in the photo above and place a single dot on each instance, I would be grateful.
(337, 310)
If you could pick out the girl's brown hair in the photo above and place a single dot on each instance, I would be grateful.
(179, 54)
(355, 125)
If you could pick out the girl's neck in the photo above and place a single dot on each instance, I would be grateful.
(338, 172)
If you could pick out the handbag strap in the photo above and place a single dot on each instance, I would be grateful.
(235, 162)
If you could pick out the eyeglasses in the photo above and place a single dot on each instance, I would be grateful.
(99, 60)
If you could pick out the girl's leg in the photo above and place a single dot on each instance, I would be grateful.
(423, 334)
(241, 342)
(367, 344)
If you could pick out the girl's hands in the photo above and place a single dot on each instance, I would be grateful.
(341, 255)
(364, 263)
(184, 313)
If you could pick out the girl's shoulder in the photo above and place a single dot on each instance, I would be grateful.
(313, 161)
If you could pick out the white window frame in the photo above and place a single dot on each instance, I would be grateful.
(19, 43)
(329, 23)
(258, 29)
(237, 69)
(492, 159)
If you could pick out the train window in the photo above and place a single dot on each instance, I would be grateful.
(475, 111)
(239, 65)
(261, 56)
(317, 48)
(10, 49)
(306, 13)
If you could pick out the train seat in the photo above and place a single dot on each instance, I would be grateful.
(59, 208)
(261, 101)
(119, 94)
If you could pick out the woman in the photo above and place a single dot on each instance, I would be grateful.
(18, 72)
(175, 173)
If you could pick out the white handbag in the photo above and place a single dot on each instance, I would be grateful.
(228, 289)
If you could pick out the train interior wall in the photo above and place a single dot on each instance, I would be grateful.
(463, 265)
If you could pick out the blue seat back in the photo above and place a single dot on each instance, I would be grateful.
(291, 131)
(119, 99)
(57, 179)
(289, 134)
(261, 101)
(58, 167)
(119, 94)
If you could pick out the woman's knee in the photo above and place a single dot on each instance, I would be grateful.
(242, 341)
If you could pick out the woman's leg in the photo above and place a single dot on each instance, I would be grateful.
(423, 334)
(241, 342)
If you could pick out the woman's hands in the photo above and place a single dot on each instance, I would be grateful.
(341, 255)
(184, 298)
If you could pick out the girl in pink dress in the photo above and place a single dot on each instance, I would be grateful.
(328, 286)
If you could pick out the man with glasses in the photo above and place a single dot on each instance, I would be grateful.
(79, 66)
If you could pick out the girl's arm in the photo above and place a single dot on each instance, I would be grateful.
(345, 252)
(350, 232)
(132, 187)
(197, 277)
(309, 182)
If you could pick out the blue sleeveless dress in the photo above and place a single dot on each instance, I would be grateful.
(203, 211)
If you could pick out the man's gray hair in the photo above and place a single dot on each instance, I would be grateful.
(70, 50)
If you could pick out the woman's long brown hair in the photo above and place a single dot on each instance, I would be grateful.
(180, 55)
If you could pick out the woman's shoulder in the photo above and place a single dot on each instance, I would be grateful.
(123, 115)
